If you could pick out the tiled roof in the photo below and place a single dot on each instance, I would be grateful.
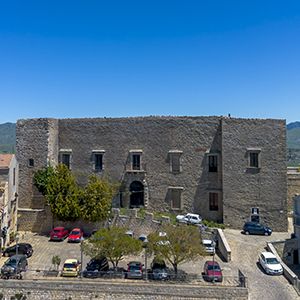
(5, 160)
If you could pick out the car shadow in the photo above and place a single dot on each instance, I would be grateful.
(260, 267)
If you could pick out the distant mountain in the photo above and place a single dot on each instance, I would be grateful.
(7, 138)
(293, 125)
(8, 141)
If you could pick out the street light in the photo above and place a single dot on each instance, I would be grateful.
(81, 255)
(145, 245)
(17, 240)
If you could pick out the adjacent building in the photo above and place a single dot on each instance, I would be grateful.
(8, 196)
(226, 169)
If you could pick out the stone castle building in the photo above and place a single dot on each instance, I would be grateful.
(225, 169)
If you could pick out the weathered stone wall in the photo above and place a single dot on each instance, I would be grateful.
(196, 137)
(293, 186)
(32, 142)
(244, 187)
(155, 136)
(74, 290)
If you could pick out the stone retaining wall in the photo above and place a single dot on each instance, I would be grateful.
(65, 289)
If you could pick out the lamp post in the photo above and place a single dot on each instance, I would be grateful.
(214, 246)
(17, 240)
(81, 255)
(145, 246)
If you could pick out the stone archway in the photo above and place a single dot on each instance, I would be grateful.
(136, 194)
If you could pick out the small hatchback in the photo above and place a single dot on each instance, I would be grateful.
(209, 246)
(58, 234)
(21, 248)
(96, 267)
(256, 228)
(75, 235)
(135, 270)
(212, 271)
(270, 264)
(71, 268)
(14, 266)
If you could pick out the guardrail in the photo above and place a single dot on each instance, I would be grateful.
(186, 278)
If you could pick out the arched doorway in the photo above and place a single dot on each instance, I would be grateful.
(136, 194)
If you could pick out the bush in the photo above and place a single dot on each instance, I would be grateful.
(213, 224)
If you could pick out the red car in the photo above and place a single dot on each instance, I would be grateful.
(58, 234)
(212, 271)
(75, 235)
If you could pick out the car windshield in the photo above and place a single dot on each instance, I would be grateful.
(69, 266)
(272, 261)
(11, 262)
(213, 267)
(134, 267)
(57, 230)
(75, 232)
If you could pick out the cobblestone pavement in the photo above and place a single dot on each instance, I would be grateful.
(245, 251)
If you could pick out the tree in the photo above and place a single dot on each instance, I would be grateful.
(63, 194)
(97, 199)
(41, 178)
(177, 245)
(113, 243)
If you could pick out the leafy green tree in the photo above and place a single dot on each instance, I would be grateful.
(63, 194)
(113, 243)
(97, 199)
(41, 178)
(178, 244)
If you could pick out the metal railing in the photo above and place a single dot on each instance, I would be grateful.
(185, 278)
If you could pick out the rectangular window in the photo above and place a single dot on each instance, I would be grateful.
(213, 201)
(98, 161)
(175, 161)
(136, 161)
(65, 159)
(31, 162)
(14, 176)
(175, 195)
(212, 163)
(253, 160)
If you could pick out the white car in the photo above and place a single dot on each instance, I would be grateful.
(270, 264)
(189, 218)
(209, 246)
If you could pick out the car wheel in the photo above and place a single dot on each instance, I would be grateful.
(266, 233)
(6, 254)
(247, 232)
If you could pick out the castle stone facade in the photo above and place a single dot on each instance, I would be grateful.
(223, 168)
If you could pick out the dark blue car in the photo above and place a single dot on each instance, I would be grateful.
(256, 228)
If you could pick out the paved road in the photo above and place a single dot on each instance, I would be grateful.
(245, 251)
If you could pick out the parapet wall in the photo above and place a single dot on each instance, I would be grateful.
(77, 290)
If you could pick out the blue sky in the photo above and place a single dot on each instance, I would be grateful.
(70, 59)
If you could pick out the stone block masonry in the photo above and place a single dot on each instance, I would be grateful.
(77, 290)
(177, 164)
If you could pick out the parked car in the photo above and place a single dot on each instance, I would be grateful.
(163, 239)
(209, 246)
(134, 270)
(96, 267)
(14, 267)
(270, 264)
(159, 270)
(143, 238)
(21, 248)
(189, 218)
(58, 234)
(130, 233)
(212, 271)
(256, 228)
(71, 268)
(75, 235)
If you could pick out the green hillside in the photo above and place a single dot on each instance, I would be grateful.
(7, 137)
(293, 138)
